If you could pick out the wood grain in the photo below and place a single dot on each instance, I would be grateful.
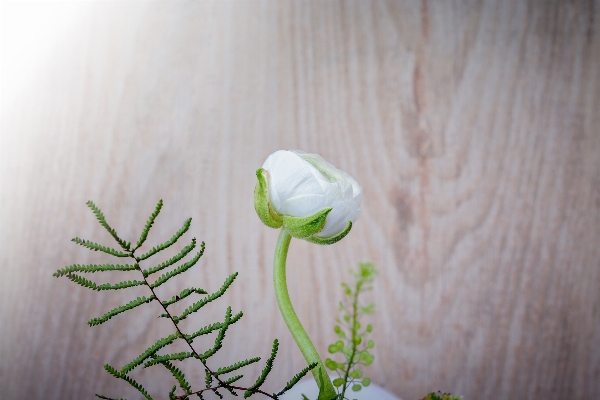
(473, 128)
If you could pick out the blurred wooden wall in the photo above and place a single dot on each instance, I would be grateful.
(473, 127)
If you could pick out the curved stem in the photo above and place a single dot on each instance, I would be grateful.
(326, 390)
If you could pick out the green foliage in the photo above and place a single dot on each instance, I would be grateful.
(173, 259)
(296, 378)
(263, 375)
(168, 243)
(132, 304)
(351, 343)
(93, 268)
(150, 356)
(442, 396)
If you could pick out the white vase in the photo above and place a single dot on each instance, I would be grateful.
(309, 388)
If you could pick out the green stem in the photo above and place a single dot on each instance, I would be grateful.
(326, 390)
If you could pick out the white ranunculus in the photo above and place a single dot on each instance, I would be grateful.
(302, 184)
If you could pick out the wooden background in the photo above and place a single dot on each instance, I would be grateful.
(473, 128)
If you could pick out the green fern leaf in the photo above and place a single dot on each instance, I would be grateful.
(149, 223)
(150, 351)
(220, 336)
(107, 398)
(172, 393)
(124, 245)
(184, 293)
(212, 327)
(296, 378)
(263, 375)
(133, 383)
(208, 378)
(120, 285)
(176, 372)
(182, 268)
(199, 304)
(82, 281)
(176, 236)
(233, 379)
(168, 357)
(173, 259)
(132, 304)
(237, 365)
(93, 268)
(96, 247)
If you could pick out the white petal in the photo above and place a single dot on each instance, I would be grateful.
(304, 205)
(337, 220)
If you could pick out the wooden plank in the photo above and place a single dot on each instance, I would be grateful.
(472, 127)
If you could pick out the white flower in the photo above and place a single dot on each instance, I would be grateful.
(302, 185)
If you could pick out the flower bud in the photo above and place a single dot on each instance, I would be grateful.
(306, 195)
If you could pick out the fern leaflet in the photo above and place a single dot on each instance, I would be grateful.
(176, 236)
(93, 268)
(96, 247)
(182, 268)
(172, 260)
(263, 375)
(296, 378)
(150, 351)
(168, 357)
(124, 245)
(184, 293)
(237, 365)
(176, 372)
(148, 225)
(196, 306)
(133, 383)
(132, 304)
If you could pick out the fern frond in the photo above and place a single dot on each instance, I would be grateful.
(220, 336)
(107, 398)
(120, 285)
(168, 357)
(93, 268)
(182, 268)
(296, 378)
(217, 393)
(150, 351)
(263, 375)
(212, 327)
(208, 378)
(172, 393)
(105, 286)
(113, 371)
(184, 293)
(124, 245)
(148, 225)
(96, 247)
(237, 365)
(80, 280)
(132, 304)
(176, 236)
(176, 372)
(171, 260)
(199, 304)
(233, 379)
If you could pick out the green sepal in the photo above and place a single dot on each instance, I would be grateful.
(262, 205)
(331, 239)
(304, 227)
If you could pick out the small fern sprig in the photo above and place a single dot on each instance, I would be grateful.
(150, 356)
(352, 344)
(442, 396)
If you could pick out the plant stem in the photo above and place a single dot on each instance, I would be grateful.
(326, 390)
